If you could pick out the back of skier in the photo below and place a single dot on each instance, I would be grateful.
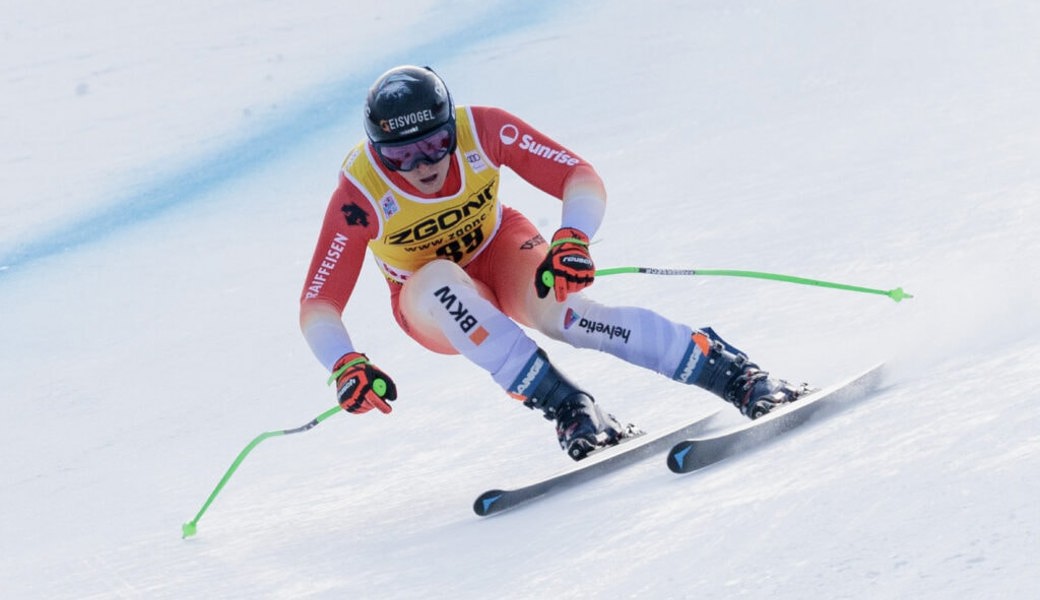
(465, 271)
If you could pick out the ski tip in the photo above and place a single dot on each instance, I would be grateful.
(486, 503)
(677, 457)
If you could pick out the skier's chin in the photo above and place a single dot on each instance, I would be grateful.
(428, 179)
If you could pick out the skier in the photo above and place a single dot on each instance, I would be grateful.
(466, 271)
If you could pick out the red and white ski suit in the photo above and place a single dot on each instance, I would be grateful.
(460, 265)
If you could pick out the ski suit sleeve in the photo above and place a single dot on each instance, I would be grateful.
(544, 163)
(348, 226)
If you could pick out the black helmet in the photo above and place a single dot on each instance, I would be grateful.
(406, 103)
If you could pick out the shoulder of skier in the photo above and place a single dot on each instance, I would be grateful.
(539, 159)
(350, 223)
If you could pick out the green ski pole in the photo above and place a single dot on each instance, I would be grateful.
(189, 528)
(896, 294)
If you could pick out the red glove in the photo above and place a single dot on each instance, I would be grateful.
(567, 267)
(361, 386)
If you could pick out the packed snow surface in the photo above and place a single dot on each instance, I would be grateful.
(164, 173)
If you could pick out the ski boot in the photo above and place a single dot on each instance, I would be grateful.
(582, 427)
(755, 393)
(726, 372)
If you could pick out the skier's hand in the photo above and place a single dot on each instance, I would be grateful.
(362, 386)
(567, 267)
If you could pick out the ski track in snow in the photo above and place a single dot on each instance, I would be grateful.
(148, 300)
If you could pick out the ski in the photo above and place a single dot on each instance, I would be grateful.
(697, 453)
(596, 465)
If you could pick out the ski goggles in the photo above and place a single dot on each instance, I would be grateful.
(406, 156)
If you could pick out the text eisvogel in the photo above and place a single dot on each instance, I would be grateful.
(415, 118)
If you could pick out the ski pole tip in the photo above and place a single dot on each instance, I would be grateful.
(188, 530)
(898, 294)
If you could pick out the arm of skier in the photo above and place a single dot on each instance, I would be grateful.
(348, 226)
(554, 169)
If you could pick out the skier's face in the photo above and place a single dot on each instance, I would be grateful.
(428, 178)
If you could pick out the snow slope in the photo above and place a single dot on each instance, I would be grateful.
(164, 176)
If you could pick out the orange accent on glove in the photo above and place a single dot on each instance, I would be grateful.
(361, 386)
(568, 267)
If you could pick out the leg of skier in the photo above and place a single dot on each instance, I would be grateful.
(636, 335)
(645, 338)
(447, 311)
